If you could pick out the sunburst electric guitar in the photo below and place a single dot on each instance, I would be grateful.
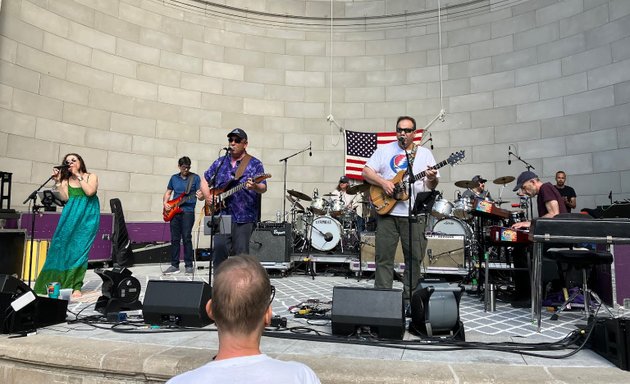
(175, 206)
(220, 195)
(384, 203)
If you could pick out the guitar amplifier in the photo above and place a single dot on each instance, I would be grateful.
(445, 251)
(271, 242)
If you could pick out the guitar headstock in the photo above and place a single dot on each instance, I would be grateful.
(261, 177)
(456, 157)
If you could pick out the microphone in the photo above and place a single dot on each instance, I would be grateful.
(63, 166)
(509, 155)
(227, 149)
(431, 140)
(459, 195)
(309, 149)
(401, 139)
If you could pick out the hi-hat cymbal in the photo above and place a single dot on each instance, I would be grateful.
(299, 195)
(466, 184)
(358, 188)
(504, 180)
(295, 203)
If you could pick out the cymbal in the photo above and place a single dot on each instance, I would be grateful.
(358, 188)
(296, 204)
(504, 180)
(466, 184)
(299, 195)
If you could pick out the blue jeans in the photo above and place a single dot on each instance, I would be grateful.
(181, 230)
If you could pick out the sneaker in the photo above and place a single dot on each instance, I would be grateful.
(189, 270)
(171, 270)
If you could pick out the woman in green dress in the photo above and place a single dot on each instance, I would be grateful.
(67, 257)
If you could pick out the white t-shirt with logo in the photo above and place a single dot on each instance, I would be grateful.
(390, 159)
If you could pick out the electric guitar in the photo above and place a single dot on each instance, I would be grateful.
(220, 195)
(384, 203)
(175, 206)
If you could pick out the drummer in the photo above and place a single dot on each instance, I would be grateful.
(479, 190)
(351, 203)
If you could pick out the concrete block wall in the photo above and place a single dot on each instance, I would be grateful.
(133, 85)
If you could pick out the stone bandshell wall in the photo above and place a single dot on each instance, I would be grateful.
(132, 85)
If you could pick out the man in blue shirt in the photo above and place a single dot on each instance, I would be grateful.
(181, 185)
(235, 168)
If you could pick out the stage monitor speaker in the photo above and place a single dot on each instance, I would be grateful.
(12, 243)
(444, 251)
(176, 303)
(435, 309)
(379, 309)
(271, 243)
(34, 313)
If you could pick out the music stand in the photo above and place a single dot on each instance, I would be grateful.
(217, 225)
(50, 199)
(424, 202)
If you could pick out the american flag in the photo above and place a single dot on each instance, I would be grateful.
(361, 145)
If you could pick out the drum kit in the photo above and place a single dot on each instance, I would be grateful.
(326, 223)
(464, 217)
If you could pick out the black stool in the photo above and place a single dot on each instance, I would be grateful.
(582, 259)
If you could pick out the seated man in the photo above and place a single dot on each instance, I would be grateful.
(241, 308)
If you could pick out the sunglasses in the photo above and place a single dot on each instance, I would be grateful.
(236, 140)
(70, 161)
(406, 130)
(273, 294)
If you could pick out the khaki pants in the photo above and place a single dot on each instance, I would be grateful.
(389, 229)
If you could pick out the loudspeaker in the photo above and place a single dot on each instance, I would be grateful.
(12, 243)
(379, 309)
(271, 243)
(180, 303)
(444, 251)
(36, 312)
(121, 291)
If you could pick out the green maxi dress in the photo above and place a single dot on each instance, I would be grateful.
(67, 258)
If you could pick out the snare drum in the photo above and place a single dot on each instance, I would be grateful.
(442, 208)
(462, 208)
(319, 206)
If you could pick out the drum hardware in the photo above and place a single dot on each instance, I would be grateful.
(329, 194)
(299, 195)
(469, 184)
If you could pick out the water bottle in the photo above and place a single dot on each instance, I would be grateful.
(278, 217)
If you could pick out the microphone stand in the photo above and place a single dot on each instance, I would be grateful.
(34, 211)
(529, 168)
(410, 180)
(212, 186)
(284, 181)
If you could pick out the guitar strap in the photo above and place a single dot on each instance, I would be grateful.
(191, 176)
(241, 167)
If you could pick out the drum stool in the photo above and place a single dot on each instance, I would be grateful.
(583, 259)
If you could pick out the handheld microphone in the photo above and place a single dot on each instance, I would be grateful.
(63, 166)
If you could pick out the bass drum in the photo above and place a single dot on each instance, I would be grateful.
(325, 233)
(452, 226)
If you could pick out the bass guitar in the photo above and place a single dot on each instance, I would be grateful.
(384, 203)
(220, 194)
(175, 206)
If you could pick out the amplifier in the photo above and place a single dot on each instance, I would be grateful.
(271, 242)
(270, 224)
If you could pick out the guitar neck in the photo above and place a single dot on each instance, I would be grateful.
(436, 166)
(232, 191)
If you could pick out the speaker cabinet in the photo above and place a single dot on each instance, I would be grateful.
(179, 303)
(444, 251)
(12, 251)
(379, 309)
(40, 312)
(271, 243)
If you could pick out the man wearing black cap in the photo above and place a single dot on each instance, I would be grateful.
(479, 191)
(550, 202)
(229, 171)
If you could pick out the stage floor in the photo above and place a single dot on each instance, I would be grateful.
(505, 325)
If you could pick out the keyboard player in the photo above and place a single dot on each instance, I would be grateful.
(550, 203)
